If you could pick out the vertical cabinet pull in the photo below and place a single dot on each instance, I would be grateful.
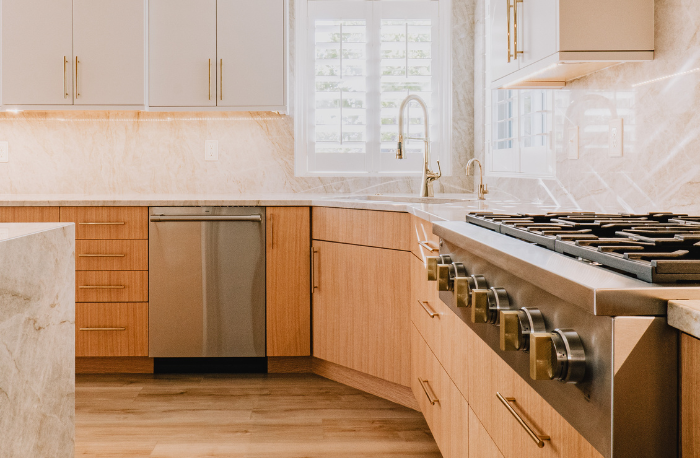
(515, 29)
(209, 79)
(272, 232)
(508, 26)
(65, 91)
(314, 266)
(428, 391)
(77, 88)
(539, 440)
(221, 79)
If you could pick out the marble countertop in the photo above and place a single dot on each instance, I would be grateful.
(9, 231)
(685, 316)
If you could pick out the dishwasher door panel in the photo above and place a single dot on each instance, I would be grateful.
(207, 284)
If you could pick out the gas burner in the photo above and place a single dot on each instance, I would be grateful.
(656, 247)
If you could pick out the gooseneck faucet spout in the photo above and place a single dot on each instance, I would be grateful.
(482, 187)
(426, 189)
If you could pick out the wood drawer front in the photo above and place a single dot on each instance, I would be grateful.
(423, 241)
(489, 374)
(111, 255)
(111, 329)
(29, 215)
(107, 222)
(427, 311)
(480, 443)
(362, 227)
(111, 286)
(690, 396)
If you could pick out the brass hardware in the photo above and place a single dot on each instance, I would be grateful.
(483, 189)
(103, 224)
(508, 7)
(314, 264)
(65, 91)
(431, 263)
(539, 439)
(480, 306)
(272, 232)
(77, 89)
(221, 79)
(427, 246)
(510, 330)
(101, 255)
(428, 310)
(557, 355)
(102, 329)
(209, 79)
(428, 391)
(443, 277)
(515, 29)
(498, 300)
(102, 287)
(541, 356)
(460, 285)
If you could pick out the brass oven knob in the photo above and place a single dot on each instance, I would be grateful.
(458, 283)
(463, 287)
(557, 355)
(443, 277)
(432, 264)
(498, 300)
(480, 306)
(516, 327)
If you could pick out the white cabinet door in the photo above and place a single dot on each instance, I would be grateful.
(37, 52)
(537, 30)
(250, 50)
(502, 39)
(109, 44)
(182, 53)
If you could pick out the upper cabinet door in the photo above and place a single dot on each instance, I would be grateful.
(537, 30)
(37, 52)
(503, 56)
(182, 53)
(250, 52)
(109, 47)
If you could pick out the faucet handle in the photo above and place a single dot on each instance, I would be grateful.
(485, 189)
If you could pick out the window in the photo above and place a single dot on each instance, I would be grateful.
(521, 134)
(360, 61)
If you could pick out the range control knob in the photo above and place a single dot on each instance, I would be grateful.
(458, 283)
(443, 273)
(498, 300)
(480, 306)
(463, 287)
(516, 327)
(432, 263)
(557, 355)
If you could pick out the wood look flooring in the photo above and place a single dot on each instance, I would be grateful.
(246, 416)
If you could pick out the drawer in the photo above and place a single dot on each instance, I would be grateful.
(111, 255)
(111, 286)
(29, 215)
(107, 222)
(480, 443)
(379, 229)
(111, 329)
(423, 241)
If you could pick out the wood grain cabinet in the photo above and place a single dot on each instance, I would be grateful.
(288, 241)
(29, 215)
(690, 396)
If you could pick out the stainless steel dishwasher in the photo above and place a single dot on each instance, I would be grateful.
(206, 282)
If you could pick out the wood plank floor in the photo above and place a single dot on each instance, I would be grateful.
(247, 416)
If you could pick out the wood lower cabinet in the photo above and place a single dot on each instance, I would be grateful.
(111, 255)
(423, 241)
(111, 286)
(690, 396)
(29, 215)
(288, 281)
(361, 309)
(480, 443)
(104, 329)
(107, 223)
(362, 227)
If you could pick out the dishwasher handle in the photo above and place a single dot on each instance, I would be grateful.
(163, 219)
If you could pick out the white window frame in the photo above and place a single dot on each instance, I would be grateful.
(441, 122)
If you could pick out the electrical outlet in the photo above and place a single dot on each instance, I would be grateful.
(615, 138)
(4, 152)
(211, 150)
(572, 151)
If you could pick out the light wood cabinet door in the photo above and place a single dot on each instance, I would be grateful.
(107, 222)
(29, 215)
(423, 241)
(480, 443)
(111, 329)
(690, 396)
(111, 286)
(250, 53)
(37, 50)
(288, 280)
(111, 255)
(380, 229)
(361, 309)
(182, 70)
(109, 40)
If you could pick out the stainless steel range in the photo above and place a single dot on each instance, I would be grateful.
(561, 299)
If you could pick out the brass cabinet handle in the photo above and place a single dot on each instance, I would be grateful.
(314, 265)
(539, 440)
(428, 391)
(272, 232)
(65, 91)
(102, 287)
(425, 245)
(102, 329)
(427, 309)
(209, 79)
(221, 79)
(515, 29)
(101, 255)
(118, 223)
(508, 26)
(77, 90)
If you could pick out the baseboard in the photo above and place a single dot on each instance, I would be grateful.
(373, 385)
(114, 365)
(289, 365)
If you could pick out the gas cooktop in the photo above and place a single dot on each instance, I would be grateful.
(654, 247)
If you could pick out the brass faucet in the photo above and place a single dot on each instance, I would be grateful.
(426, 188)
(483, 190)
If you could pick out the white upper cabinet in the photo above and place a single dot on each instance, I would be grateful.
(250, 49)
(549, 42)
(182, 53)
(37, 42)
(109, 47)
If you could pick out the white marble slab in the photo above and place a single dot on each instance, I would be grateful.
(685, 315)
(37, 340)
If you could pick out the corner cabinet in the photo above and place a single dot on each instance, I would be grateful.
(545, 43)
(61, 53)
(217, 53)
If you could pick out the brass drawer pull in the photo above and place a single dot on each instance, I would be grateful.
(539, 440)
(102, 287)
(103, 329)
(427, 309)
(118, 223)
(425, 245)
(101, 255)
(428, 391)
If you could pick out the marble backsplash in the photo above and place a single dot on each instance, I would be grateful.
(658, 101)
